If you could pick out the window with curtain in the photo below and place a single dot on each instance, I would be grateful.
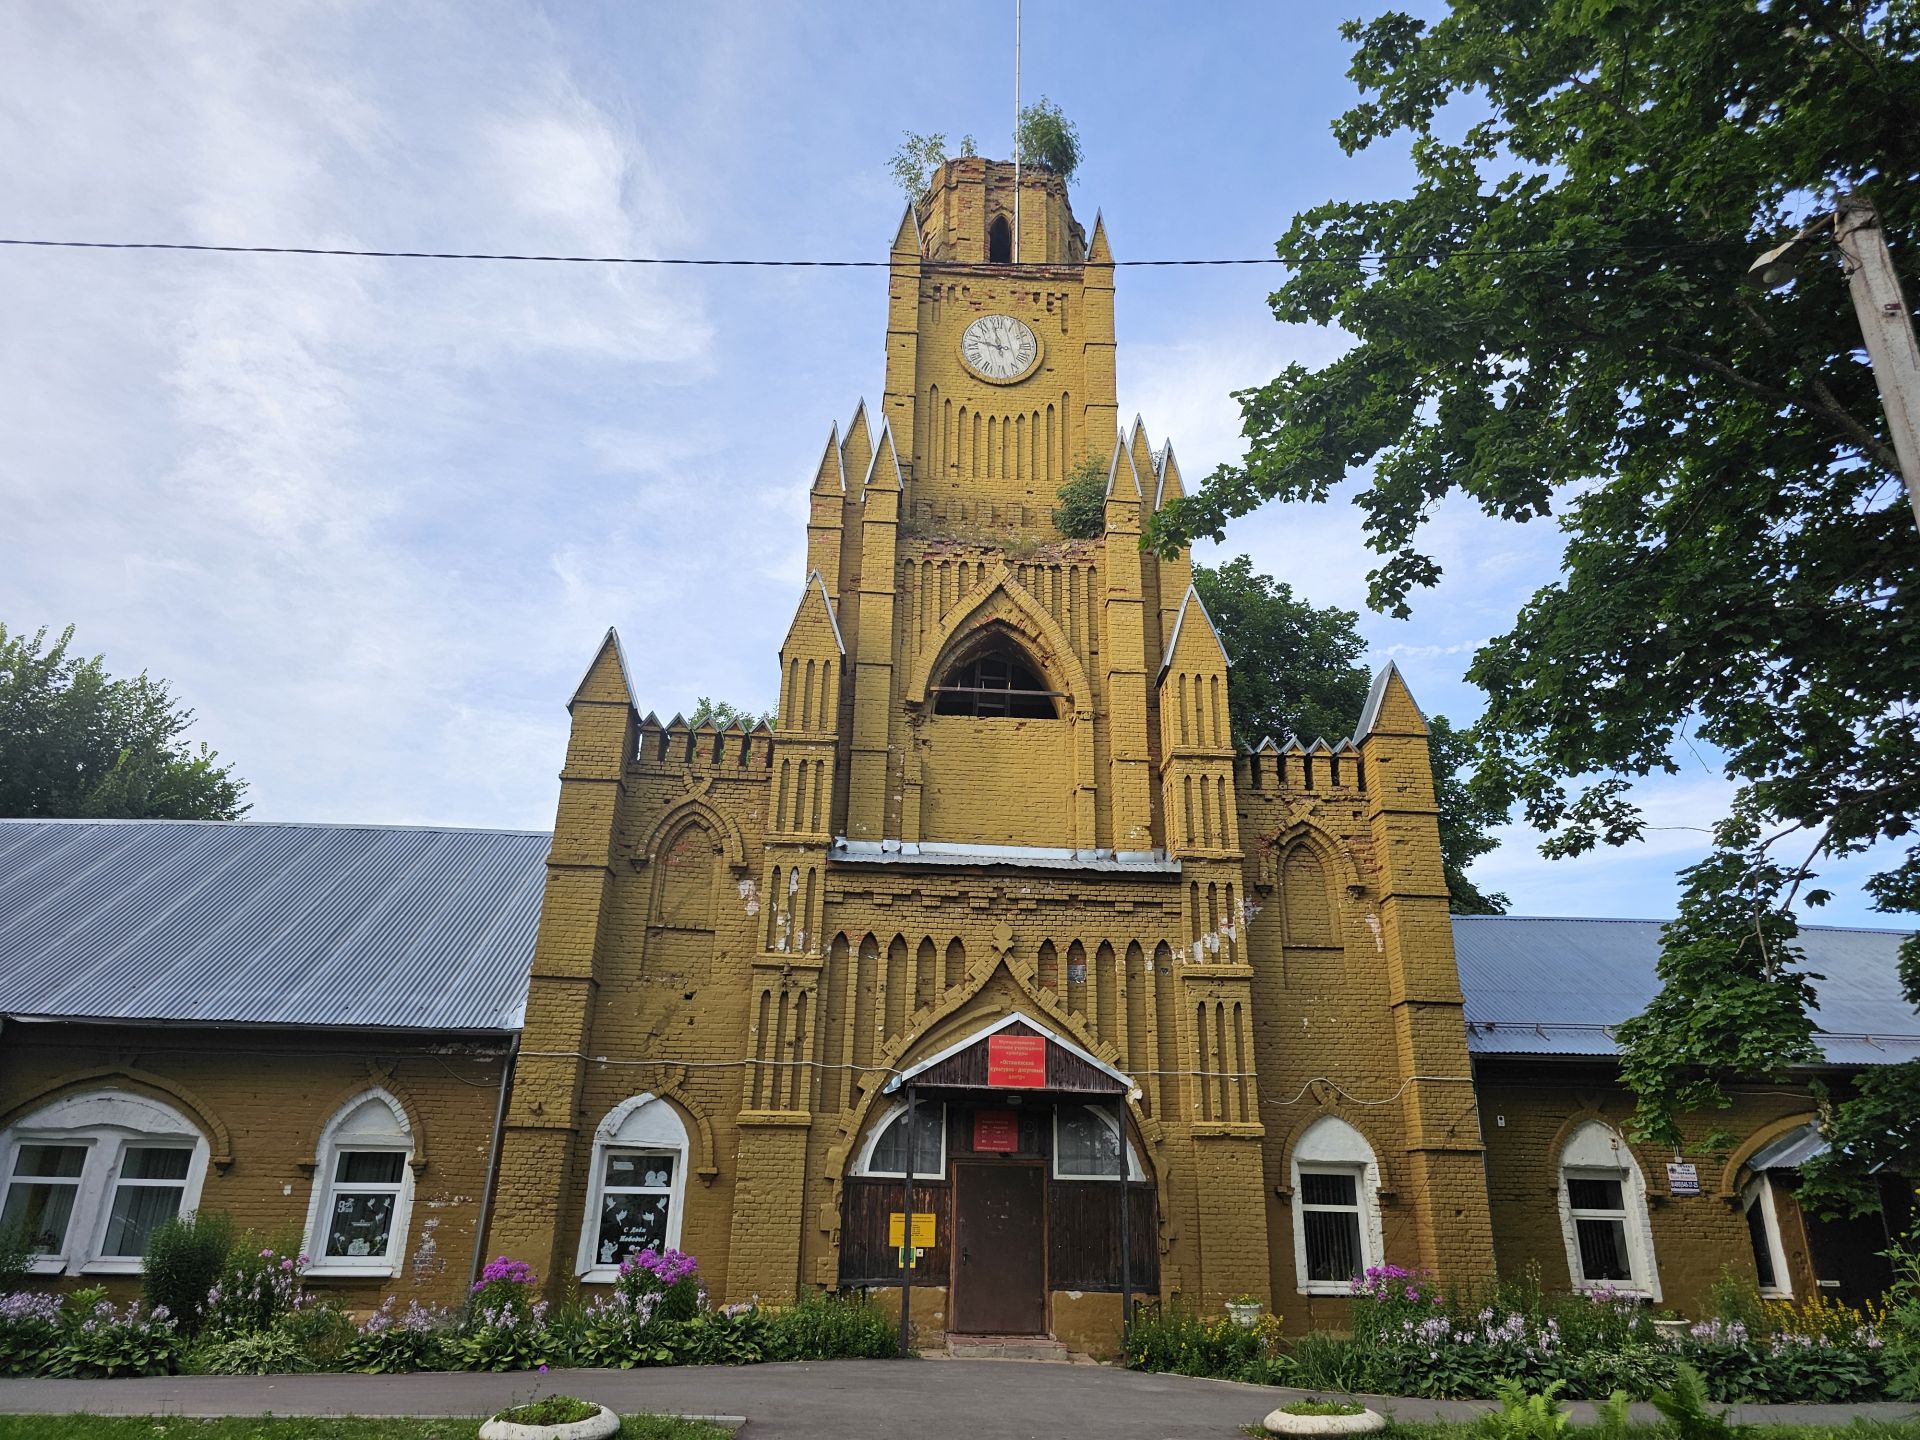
(888, 1153)
(1336, 1207)
(1329, 1202)
(636, 1190)
(1603, 1213)
(86, 1178)
(363, 1189)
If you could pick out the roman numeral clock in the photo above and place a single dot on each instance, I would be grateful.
(999, 348)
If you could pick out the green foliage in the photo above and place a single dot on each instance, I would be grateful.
(1047, 140)
(175, 1427)
(720, 714)
(1902, 1331)
(918, 157)
(1174, 1340)
(1685, 1409)
(99, 1341)
(1082, 512)
(1297, 671)
(1321, 1407)
(1524, 1416)
(1611, 1419)
(75, 742)
(1553, 321)
(820, 1326)
(550, 1410)
(261, 1352)
(260, 1283)
(1874, 1131)
(184, 1258)
(16, 1254)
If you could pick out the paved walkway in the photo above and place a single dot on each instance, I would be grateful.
(841, 1400)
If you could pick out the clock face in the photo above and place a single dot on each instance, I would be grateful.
(999, 348)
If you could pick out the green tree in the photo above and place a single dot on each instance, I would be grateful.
(1553, 322)
(913, 164)
(720, 714)
(1297, 671)
(1082, 513)
(1047, 140)
(74, 742)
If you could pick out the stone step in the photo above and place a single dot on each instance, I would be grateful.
(1008, 1347)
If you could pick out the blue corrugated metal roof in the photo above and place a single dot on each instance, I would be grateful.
(398, 927)
(1554, 986)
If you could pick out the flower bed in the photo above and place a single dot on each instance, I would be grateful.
(260, 1319)
(1409, 1337)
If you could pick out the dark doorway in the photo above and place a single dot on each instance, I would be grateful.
(1000, 242)
(1000, 1249)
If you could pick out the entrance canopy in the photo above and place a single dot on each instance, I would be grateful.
(1016, 1053)
(1790, 1151)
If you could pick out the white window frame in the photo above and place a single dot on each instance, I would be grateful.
(1106, 1118)
(1330, 1146)
(865, 1165)
(640, 1125)
(1759, 1191)
(1596, 1151)
(346, 1133)
(106, 1123)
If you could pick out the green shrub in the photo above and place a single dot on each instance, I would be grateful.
(97, 1340)
(820, 1326)
(1176, 1341)
(185, 1258)
(390, 1344)
(1082, 513)
(260, 1352)
(1522, 1416)
(30, 1330)
(550, 1410)
(1685, 1409)
(1047, 139)
(1902, 1354)
(16, 1254)
(1329, 1362)
(261, 1282)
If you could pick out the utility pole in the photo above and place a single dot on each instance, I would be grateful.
(1016, 132)
(1887, 325)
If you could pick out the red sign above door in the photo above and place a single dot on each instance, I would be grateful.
(1017, 1062)
(995, 1130)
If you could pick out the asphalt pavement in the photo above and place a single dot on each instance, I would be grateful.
(838, 1400)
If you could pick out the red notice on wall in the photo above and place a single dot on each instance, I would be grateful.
(1017, 1062)
(995, 1130)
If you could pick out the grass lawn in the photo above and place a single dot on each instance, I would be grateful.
(161, 1427)
(1858, 1430)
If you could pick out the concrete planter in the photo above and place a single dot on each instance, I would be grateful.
(594, 1427)
(1246, 1315)
(1279, 1422)
(1672, 1329)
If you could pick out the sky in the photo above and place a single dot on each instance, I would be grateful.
(372, 517)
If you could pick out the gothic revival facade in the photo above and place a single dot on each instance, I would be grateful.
(994, 929)
(1001, 802)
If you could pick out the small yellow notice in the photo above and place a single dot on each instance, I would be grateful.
(922, 1230)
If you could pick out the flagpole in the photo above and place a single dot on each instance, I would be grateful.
(1016, 132)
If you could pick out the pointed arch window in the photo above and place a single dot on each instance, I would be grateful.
(995, 678)
(1000, 242)
(1336, 1208)
(638, 1186)
(362, 1189)
(1603, 1213)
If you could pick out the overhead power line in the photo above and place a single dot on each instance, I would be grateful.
(1371, 258)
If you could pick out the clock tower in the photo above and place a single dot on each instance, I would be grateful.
(994, 903)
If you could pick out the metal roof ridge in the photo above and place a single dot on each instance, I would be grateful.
(262, 824)
(1650, 920)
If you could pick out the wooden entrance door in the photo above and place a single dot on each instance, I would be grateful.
(1000, 1249)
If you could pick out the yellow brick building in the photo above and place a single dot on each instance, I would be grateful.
(1001, 801)
(996, 904)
